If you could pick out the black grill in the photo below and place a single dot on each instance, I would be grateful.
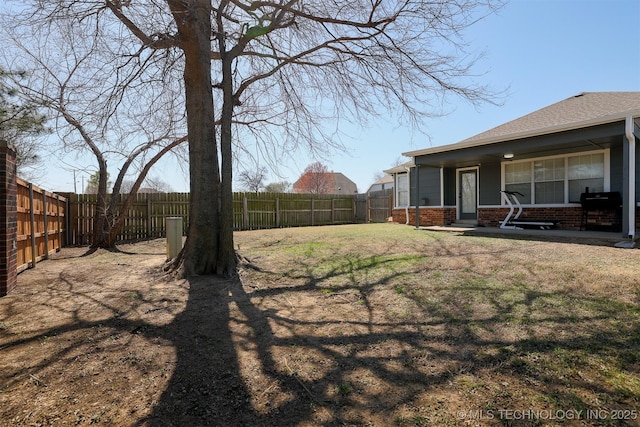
(607, 201)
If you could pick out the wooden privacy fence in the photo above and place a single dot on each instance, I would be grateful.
(32, 221)
(41, 223)
(378, 205)
(145, 218)
(251, 211)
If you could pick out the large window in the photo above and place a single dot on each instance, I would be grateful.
(586, 171)
(402, 189)
(548, 176)
(517, 177)
(557, 180)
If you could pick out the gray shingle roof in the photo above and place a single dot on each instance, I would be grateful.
(400, 168)
(585, 109)
(385, 179)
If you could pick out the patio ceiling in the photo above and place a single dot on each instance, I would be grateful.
(600, 137)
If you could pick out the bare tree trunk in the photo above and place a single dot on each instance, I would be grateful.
(354, 56)
(202, 249)
(117, 221)
(227, 262)
(101, 219)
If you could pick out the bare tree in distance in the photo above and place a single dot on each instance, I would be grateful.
(316, 179)
(283, 72)
(98, 111)
(150, 185)
(278, 187)
(377, 176)
(158, 185)
(399, 161)
(253, 180)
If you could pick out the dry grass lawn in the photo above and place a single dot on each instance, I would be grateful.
(359, 325)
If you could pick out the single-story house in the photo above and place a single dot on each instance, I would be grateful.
(551, 159)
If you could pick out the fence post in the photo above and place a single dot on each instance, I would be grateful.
(277, 212)
(354, 208)
(58, 223)
(46, 224)
(70, 234)
(245, 213)
(149, 213)
(8, 219)
(66, 218)
(313, 214)
(34, 253)
(333, 210)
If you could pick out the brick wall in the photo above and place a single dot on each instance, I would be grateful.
(428, 216)
(8, 219)
(569, 217)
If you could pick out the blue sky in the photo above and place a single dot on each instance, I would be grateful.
(542, 51)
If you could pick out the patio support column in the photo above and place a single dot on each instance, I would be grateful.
(417, 195)
(629, 180)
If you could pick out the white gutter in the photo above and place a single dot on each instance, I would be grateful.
(632, 175)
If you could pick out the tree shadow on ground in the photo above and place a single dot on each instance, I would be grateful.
(235, 352)
(248, 352)
(206, 387)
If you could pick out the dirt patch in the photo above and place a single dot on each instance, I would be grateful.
(329, 326)
(78, 339)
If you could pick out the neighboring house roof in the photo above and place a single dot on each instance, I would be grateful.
(400, 168)
(583, 110)
(386, 181)
(345, 184)
(339, 180)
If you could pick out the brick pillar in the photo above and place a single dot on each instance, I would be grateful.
(8, 219)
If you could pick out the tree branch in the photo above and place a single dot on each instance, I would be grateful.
(155, 41)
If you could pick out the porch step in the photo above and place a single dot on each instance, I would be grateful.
(465, 224)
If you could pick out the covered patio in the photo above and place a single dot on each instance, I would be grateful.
(600, 238)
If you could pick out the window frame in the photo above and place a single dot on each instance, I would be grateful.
(397, 189)
(606, 179)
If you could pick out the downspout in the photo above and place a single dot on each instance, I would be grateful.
(632, 176)
(442, 187)
(417, 195)
(406, 208)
